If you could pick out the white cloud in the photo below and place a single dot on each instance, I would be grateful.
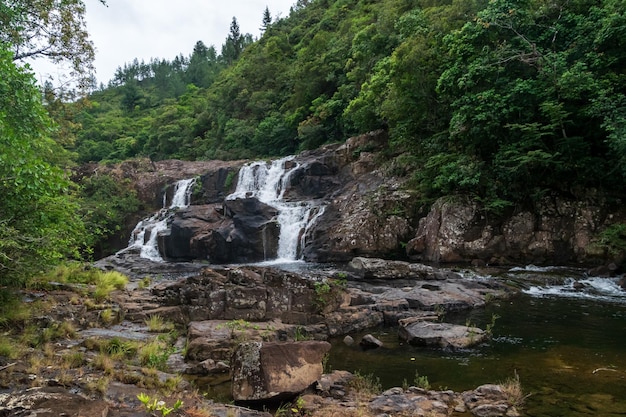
(145, 29)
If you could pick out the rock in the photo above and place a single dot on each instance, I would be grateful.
(209, 340)
(452, 295)
(247, 231)
(382, 269)
(443, 335)
(352, 319)
(489, 401)
(228, 410)
(559, 230)
(604, 270)
(398, 402)
(367, 213)
(356, 222)
(247, 293)
(348, 340)
(50, 402)
(370, 342)
(334, 384)
(152, 179)
(217, 339)
(209, 366)
(262, 371)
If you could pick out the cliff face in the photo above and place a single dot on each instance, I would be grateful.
(558, 231)
(366, 212)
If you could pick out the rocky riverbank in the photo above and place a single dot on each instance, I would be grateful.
(208, 316)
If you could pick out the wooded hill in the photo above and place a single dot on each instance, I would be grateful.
(500, 99)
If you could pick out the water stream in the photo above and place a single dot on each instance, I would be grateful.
(268, 183)
(566, 343)
(265, 181)
(144, 236)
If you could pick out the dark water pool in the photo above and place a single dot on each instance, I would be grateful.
(569, 351)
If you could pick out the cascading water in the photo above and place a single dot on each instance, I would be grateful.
(148, 248)
(268, 182)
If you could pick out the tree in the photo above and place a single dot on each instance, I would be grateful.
(267, 20)
(203, 65)
(234, 43)
(52, 29)
(38, 225)
(524, 83)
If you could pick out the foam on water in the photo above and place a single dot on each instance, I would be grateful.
(268, 182)
(592, 288)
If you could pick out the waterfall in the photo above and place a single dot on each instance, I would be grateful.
(148, 248)
(268, 182)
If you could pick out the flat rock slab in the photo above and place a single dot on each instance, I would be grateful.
(443, 335)
(453, 295)
(382, 269)
(50, 402)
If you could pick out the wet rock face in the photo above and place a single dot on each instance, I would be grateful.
(242, 230)
(262, 371)
(365, 218)
(367, 212)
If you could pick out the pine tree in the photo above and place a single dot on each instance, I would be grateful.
(234, 43)
(267, 20)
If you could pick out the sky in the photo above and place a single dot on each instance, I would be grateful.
(144, 29)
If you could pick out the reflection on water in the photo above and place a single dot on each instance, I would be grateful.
(565, 341)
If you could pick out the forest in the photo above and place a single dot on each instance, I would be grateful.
(502, 101)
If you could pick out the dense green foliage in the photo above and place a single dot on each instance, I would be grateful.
(44, 217)
(38, 225)
(49, 29)
(106, 206)
(503, 100)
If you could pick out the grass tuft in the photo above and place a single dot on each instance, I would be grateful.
(512, 387)
(157, 324)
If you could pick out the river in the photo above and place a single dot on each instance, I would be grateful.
(566, 345)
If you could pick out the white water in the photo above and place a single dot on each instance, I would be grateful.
(148, 248)
(268, 182)
(591, 288)
(561, 282)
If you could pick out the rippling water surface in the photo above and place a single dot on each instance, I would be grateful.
(564, 335)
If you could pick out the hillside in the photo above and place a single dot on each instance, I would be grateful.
(502, 100)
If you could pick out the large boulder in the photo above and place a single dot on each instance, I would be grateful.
(368, 212)
(443, 335)
(246, 293)
(187, 236)
(382, 269)
(241, 230)
(265, 371)
(365, 218)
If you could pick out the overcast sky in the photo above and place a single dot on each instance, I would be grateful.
(144, 29)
